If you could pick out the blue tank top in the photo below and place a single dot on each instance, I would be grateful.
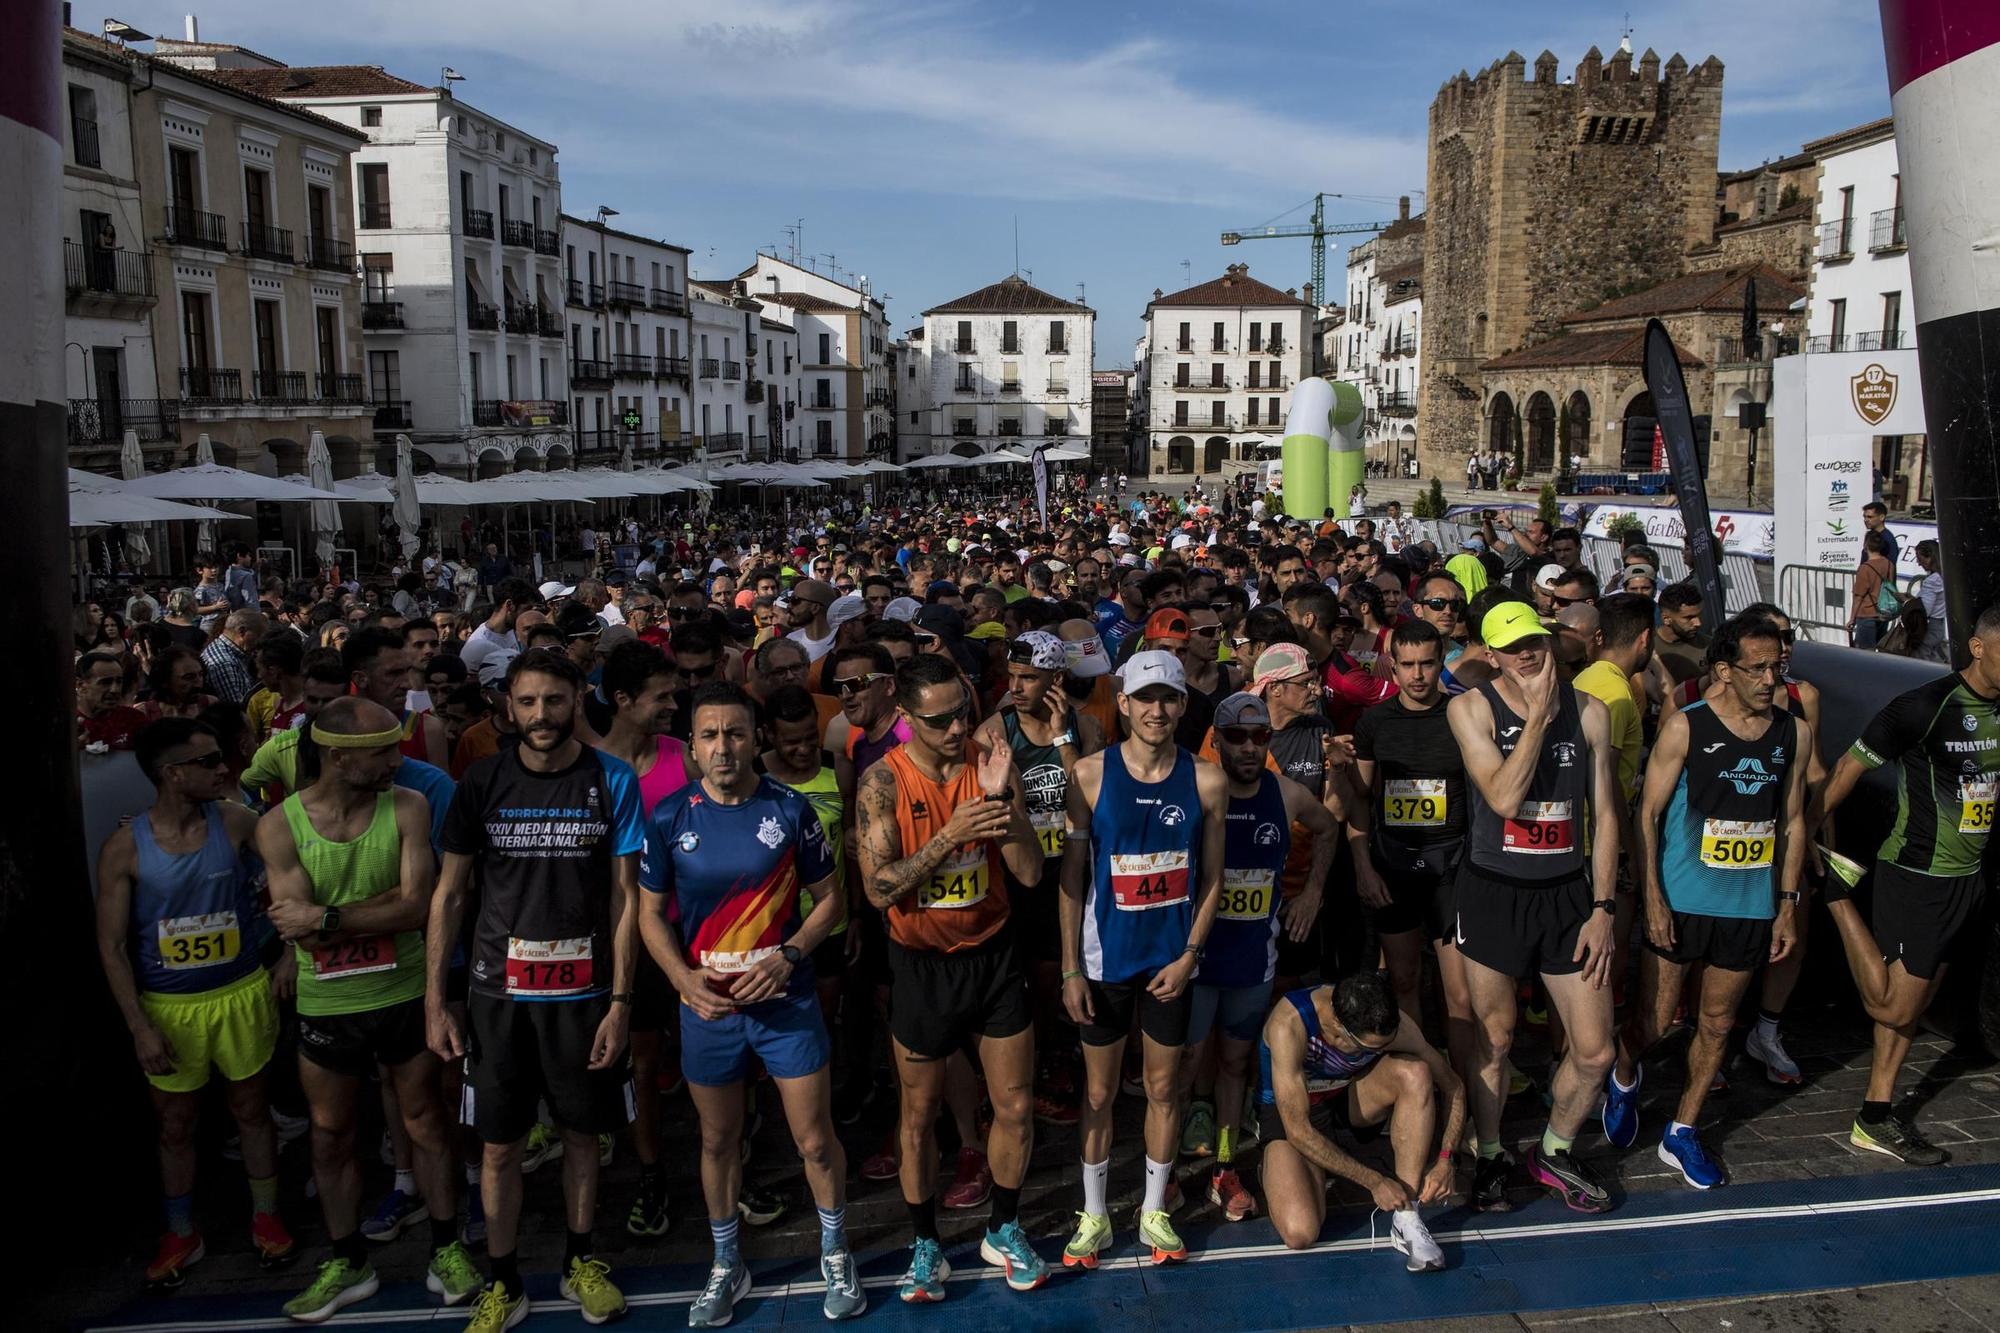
(1145, 856)
(192, 913)
(1328, 1069)
(1242, 949)
(1719, 849)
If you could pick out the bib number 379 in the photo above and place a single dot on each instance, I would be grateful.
(1539, 828)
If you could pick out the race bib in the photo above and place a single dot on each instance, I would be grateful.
(1144, 880)
(188, 942)
(1975, 803)
(1539, 828)
(548, 968)
(1247, 894)
(1414, 803)
(1050, 830)
(1731, 844)
(354, 958)
(959, 881)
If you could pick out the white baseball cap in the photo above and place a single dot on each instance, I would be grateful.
(1152, 667)
(1549, 575)
(555, 588)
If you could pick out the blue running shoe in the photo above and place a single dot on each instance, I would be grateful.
(1682, 1150)
(923, 1284)
(399, 1210)
(1008, 1248)
(1621, 1109)
(845, 1297)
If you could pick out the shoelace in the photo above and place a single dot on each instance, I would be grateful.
(718, 1282)
(591, 1275)
(837, 1269)
(489, 1303)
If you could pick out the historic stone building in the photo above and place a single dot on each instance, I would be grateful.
(1547, 197)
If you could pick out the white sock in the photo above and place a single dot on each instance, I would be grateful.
(1675, 1127)
(472, 1175)
(1158, 1176)
(406, 1181)
(1095, 1176)
(1623, 1086)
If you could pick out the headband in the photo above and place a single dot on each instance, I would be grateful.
(368, 740)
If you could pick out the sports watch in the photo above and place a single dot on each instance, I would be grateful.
(792, 954)
(329, 920)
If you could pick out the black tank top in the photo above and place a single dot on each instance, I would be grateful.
(1543, 841)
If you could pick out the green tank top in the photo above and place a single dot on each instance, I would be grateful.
(362, 973)
(823, 790)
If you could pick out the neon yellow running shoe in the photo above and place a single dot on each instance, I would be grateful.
(1093, 1233)
(588, 1283)
(496, 1311)
(1156, 1228)
(337, 1285)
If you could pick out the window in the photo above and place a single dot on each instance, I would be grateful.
(1181, 371)
(964, 384)
(1273, 379)
(1010, 336)
(1186, 338)
(195, 331)
(319, 220)
(1253, 405)
(83, 126)
(512, 363)
(1839, 329)
(1272, 415)
(1058, 336)
(374, 194)
(1892, 320)
(913, 418)
(543, 366)
(1216, 379)
(1180, 412)
(265, 322)
(1216, 338)
(476, 380)
(823, 440)
(965, 335)
(823, 392)
(1010, 377)
(1218, 414)
(385, 377)
(1257, 336)
(256, 204)
(326, 337)
(826, 349)
(1256, 377)
(371, 117)
(184, 180)
(506, 207)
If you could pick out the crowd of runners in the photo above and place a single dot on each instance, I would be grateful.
(1279, 826)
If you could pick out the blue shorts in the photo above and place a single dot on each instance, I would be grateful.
(1240, 1010)
(787, 1034)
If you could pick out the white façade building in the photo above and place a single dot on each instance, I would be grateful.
(1379, 343)
(1220, 360)
(862, 427)
(1007, 365)
(628, 329)
(779, 371)
(725, 326)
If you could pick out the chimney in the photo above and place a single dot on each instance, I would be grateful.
(193, 29)
(1402, 208)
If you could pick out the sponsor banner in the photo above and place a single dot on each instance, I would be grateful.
(1676, 430)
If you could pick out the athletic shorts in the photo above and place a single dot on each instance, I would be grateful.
(1918, 916)
(1114, 1002)
(1240, 1010)
(1333, 1114)
(1418, 900)
(787, 1033)
(1037, 914)
(939, 1002)
(233, 1028)
(1732, 943)
(527, 1051)
(354, 1044)
(1520, 930)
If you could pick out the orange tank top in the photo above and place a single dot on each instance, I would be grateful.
(964, 902)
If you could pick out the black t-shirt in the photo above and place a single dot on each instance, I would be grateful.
(1196, 721)
(543, 844)
(1418, 802)
(1299, 750)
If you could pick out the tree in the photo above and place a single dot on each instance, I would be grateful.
(1545, 506)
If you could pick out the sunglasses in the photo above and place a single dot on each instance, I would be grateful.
(943, 721)
(926, 640)
(1245, 735)
(855, 684)
(1442, 603)
(1559, 601)
(210, 761)
(1205, 631)
(1221, 608)
(686, 612)
(700, 672)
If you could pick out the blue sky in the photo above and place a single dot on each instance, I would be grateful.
(1123, 137)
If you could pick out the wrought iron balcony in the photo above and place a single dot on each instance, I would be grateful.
(480, 315)
(374, 214)
(280, 386)
(1010, 387)
(1057, 347)
(1886, 232)
(1397, 403)
(341, 388)
(1008, 427)
(710, 367)
(1836, 239)
(477, 222)
(632, 365)
(521, 318)
(732, 370)
(624, 293)
(753, 392)
(722, 441)
(591, 296)
(964, 428)
(115, 274)
(1274, 347)
(1887, 340)
(671, 367)
(590, 372)
(878, 397)
(547, 242)
(548, 321)
(822, 402)
(962, 345)
(393, 415)
(486, 412)
(381, 315)
(330, 254)
(104, 421)
(517, 231)
(190, 226)
(662, 299)
(202, 386)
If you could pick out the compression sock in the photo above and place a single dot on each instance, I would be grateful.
(444, 1230)
(353, 1249)
(923, 1218)
(1553, 1142)
(832, 1229)
(1096, 1176)
(577, 1246)
(506, 1270)
(1158, 1176)
(1874, 1113)
(723, 1232)
(1006, 1207)
(1225, 1145)
(263, 1195)
(180, 1214)
(1489, 1149)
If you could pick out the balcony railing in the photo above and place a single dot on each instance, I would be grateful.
(1887, 340)
(591, 296)
(1011, 387)
(632, 365)
(732, 370)
(710, 367)
(624, 293)
(548, 321)
(84, 134)
(722, 441)
(1397, 403)
(374, 214)
(481, 315)
(1885, 230)
(1184, 345)
(341, 388)
(822, 402)
(965, 386)
(191, 226)
(1057, 347)
(1836, 239)
(547, 242)
(517, 231)
(203, 386)
(280, 386)
(964, 428)
(329, 254)
(393, 415)
(1275, 347)
(1056, 426)
(521, 318)
(105, 420)
(962, 345)
(753, 391)
(1009, 428)
(111, 273)
(671, 367)
(878, 398)
(486, 412)
(662, 299)
(381, 315)
(1010, 347)
(477, 222)
(589, 372)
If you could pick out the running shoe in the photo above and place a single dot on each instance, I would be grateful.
(397, 1211)
(1621, 1109)
(1198, 1134)
(606, 1146)
(496, 1311)
(923, 1283)
(845, 1297)
(971, 1184)
(1053, 1108)
(1562, 1175)
(275, 1246)
(649, 1210)
(475, 1215)
(1682, 1150)
(177, 1254)
(1009, 1249)
(1779, 1067)
(588, 1284)
(1248, 1133)
(386, 1150)
(759, 1207)
(1092, 1234)
(1227, 1191)
(887, 1163)
(716, 1305)
(337, 1286)
(1489, 1184)
(544, 1145)
(1518, 1084)
(451, 1274)
(1897, 1137)
(1156, 1229)
(1412, 1240)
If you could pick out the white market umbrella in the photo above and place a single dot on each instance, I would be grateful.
(213, 481)
(1067, 453)
(204, 456)
(435, 490)
(789, 483)
(91, 508)
(938, 461)
(366, 488)
(131, 466)
(325, 513)
(405, 503)
(1007, 456)
(879, 466)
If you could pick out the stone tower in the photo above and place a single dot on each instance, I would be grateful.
(1546, 197)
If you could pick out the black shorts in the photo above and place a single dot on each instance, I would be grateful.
(1037, 913)
(1732, 943)
(1517, 928)
(525, 1051)
(354, 1044)
(1918, 916)
(939, 1002)
(1112, 1004)
(1418, 900)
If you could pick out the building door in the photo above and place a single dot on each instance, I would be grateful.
(194, 341)
(107, 378)
(326, 336)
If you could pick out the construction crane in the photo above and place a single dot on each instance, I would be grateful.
(1318, 229)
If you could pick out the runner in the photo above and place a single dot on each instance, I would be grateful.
(351, 870)
(175, 910)
(1142, 878)
(1539, 755)
(1345, 1057)
(728, 854)
(937, 819)
(1721, 846)
(550, 830)
(1232, 986)
(1944, 738)
(382, 669)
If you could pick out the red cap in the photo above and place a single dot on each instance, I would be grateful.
(1167, 624)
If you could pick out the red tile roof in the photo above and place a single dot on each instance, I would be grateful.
(291, 81)
(1618, 347)
(1234, 288)
(1013, 294)
(211, 78)
(1720, 290)
(803, 301)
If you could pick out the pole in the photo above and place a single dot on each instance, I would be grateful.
(1944, 85)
